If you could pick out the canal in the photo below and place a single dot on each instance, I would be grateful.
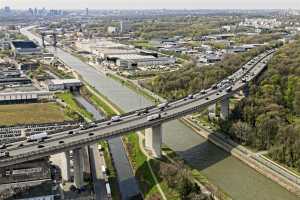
(236, 178)
(126, 180)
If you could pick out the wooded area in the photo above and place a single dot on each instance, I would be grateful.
(269, 119)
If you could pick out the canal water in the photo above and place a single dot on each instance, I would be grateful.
(127, 183)
(237, 179)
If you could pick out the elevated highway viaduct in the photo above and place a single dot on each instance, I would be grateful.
(135, 121)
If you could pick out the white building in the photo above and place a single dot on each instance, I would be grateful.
(131, 61)
(112, 29)
(65, 84)
(25, 96)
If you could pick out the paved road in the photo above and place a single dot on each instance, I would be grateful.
(96, 162)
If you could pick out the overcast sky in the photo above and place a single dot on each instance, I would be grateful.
(150, 4)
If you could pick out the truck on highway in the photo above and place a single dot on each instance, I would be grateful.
(88, 125)
(36, 137)
(153, 117)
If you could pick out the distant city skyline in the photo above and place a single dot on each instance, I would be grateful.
(153, 4)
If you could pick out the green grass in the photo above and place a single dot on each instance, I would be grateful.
(60, 73)
(97, 102)
(35, 113)
(170, 193)
(139, 163)
(68, 98)
(296, 120)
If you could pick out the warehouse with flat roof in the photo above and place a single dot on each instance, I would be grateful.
(64, 84)
(131, 61)
(25, 47)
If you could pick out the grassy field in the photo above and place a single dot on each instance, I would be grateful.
(97, 102)
(32, 114)
(68, 98)
(139, 162)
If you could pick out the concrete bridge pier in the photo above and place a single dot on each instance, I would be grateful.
(153, 140)
(246, 90)
(86, 161)
(212, 111)
(66, 166)
(78, 167)
(224, 109)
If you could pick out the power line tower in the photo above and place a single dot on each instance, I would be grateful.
(43, 39)
(54, 40)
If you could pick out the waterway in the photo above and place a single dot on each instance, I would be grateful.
(236, 178)
(126, 180)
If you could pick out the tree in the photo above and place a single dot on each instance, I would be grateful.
(296, 103)
(243, 132)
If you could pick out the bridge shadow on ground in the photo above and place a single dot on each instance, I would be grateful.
(205, 154)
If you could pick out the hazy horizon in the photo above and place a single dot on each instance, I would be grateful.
(153, 4)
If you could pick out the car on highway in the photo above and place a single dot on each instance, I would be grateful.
(141, 112)
(228, 89)
(87, 126)
(162, 106)
(3, 146)
(4, 154)
(214, 86)
(153, 117)
(191, 96)
(116, 118)
(70, 132)
(203, 92)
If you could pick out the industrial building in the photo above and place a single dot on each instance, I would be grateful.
(112, 29)
(25, 47)
(104, 48)
(121, 55)
(132, 61)
(28, 65)
(34, 170)
(11, 81)
(65, 84)
(24, 97)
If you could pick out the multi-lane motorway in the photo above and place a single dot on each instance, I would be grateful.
(132, 121)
